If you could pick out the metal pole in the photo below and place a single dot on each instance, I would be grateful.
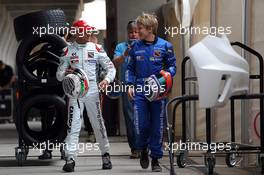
(213, 24)
(193, 106)
(186, 43)
(245, 103)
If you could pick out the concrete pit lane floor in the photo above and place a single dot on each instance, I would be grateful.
(89, 162)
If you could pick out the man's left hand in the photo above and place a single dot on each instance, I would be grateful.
(103, 85)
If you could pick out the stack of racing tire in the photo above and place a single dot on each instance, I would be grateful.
(41, 109)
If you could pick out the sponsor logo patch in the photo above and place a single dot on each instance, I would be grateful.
(90, 54)
(152, 59)
(70, 119)
(170, 50)
(157, 53)
(100, 120)
(92, 61)
(140, 51)
(74, 58)
(65, 50)
(139, 58)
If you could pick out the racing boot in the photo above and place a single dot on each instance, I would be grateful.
(107, 164)
(69, 166)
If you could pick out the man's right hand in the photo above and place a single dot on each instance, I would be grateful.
(68, 71)
(131, 93)
(126, 53)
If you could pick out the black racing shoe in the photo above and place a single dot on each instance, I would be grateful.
(134, 154)
(155, 166)
(144, 159)
(69, 166)
(107, 164)
(45, 155)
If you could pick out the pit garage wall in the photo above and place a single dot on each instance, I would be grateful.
(257, 43)
(170, 21)
(128, 10)
(228, 13)
(201, 18)
(8, 43)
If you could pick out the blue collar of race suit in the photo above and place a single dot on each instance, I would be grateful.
(150, 42)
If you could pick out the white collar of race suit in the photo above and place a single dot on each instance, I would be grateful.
(79, 45)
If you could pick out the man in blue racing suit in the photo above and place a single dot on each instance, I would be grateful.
(148, 56)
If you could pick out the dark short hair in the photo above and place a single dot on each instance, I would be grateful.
(131, 24)
(1, 62)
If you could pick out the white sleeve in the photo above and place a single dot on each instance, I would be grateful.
(107, 64)
(64, 64)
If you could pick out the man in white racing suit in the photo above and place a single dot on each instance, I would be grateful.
(86, 55)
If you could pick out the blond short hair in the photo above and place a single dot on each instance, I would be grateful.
(149, 21)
